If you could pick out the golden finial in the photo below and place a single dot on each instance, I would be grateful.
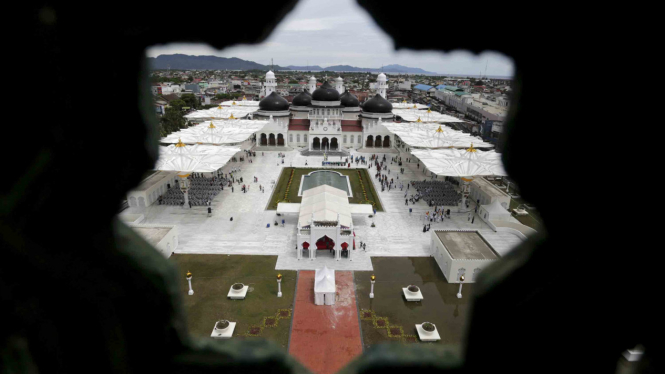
(418, 120)
(439, 129)
(219, 107)
(404, 101)
(232, 117)
(279, 276)
(211, 125)
(234, 102)
(429, 110)
(373, 277)
(461, 278)
(414, 106)
(244, 98)
(189, 274)
(471, 149)
(180, 143)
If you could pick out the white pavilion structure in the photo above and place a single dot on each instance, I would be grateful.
(324, 286)
(325, 222)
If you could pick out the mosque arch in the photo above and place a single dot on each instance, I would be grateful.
(386, 142)
(280, 139)
(316, 143)
(325, 143)
(271, 139)
(333, 144)
(264, 139)
(370, 141)
(325, 243)
(377, 141)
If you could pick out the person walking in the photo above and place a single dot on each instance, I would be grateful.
(209, 211)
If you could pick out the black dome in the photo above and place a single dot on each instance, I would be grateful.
(349, 100)
(302, 99)
(377, 104)
(273, 103)
(325, 93)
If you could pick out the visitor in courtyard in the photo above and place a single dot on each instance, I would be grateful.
(209, 211)
(424, 228)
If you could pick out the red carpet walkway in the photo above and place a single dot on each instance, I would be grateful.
(325, 338)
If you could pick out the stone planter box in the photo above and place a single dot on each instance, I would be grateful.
(224, 333)
(238, 294)
(412, 296)
(427, 336)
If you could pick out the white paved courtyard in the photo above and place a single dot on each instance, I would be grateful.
(397, 232)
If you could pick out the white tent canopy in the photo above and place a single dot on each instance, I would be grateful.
(220, 112)
(216, 132)
(430, 135)
(325, 204)
(405, 105)
(194, 158)
(413, 115)
(461, 162)
(244, 102)
(324, 286)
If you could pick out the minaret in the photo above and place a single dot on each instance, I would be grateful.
(382, 87)
(339, 85)
(312, 84)
(271, 84)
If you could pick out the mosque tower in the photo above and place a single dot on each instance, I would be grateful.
(312, 85)
(271, 84)
(382, 87)
(339, 85)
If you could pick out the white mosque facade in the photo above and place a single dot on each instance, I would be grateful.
(326, 118)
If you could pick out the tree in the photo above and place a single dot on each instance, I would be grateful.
(190, 101)
(172, 120)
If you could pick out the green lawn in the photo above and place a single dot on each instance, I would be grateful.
(390, 318)
(261, 315)
(292, 197)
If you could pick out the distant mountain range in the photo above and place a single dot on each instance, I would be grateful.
(386, 69)
(184, 62)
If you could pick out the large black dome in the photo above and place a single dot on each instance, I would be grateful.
(302, 99)
(377, 104)
(273, 103)
(349, 100)
(325, 93)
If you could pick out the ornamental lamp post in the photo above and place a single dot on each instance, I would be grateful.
(189, 280)
(279, 285)
(371, 292)
(461, 281)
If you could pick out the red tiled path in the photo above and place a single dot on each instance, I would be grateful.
(325, 338)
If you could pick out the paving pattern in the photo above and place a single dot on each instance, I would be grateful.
(397, 232)
(325, 338)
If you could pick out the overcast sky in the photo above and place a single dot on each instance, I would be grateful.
(325, 33)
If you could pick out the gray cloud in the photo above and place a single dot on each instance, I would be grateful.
(324, 33)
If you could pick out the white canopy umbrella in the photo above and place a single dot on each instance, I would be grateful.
(217, 132)
(405, 105)
(431, 135)
(464, 163)
(186, 159)
(468, 162)
(243, 102)
(424, 116)
(220, 112)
